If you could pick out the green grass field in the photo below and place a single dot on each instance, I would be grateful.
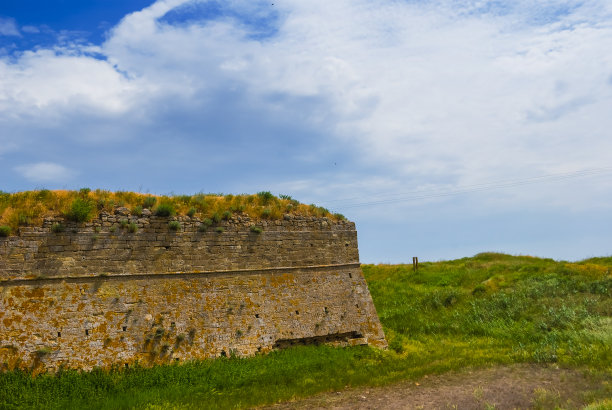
(472, 312)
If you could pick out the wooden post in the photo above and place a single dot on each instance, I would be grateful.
(415, 263)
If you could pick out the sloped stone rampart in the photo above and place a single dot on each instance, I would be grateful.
(97, 294)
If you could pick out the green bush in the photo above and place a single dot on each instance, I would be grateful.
(5, 231)
(57, 228)
(80, 210)
(216, 217)
(149, 202)
(132, 227)
(226, 215)
(191, 212)
(174, 225)
(137, 210)
(220, 229)
(265, 213)
(256, 229)
(265, 196)
(206, 223)
(123, 223)
(164, 210)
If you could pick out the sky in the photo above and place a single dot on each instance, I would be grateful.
(443, 128)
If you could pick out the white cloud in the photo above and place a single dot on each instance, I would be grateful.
(30, 29)
(422, 92)
(45, 172)
(8, 27)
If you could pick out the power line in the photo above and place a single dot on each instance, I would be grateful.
(436, 193)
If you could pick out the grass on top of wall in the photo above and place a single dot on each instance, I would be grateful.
(30, 207)
(472, 312)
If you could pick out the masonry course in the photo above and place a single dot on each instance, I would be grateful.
(99, 295)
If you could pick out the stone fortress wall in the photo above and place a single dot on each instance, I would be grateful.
(123, 289)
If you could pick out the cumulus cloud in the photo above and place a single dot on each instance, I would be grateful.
(8, 27)
(407, 94)
(45, 172)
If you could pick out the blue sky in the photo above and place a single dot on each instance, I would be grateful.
(443, 128)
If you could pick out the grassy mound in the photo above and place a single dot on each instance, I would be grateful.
(30, 207)
(471, 312)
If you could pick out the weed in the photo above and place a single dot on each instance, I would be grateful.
(191, 212)
(265, 196)
(216, 217)
(113, 229)
(256, 229)
(266, 212)
(123, 223)
(164, 210)
(226, 215)
(5, 231)
(57, 228)
(148, 202)
(174, 225)
(132, 227)
(43, 351)
(220, 229)
(80, 210)
(137, 210)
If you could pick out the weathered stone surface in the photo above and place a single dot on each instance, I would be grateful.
(97, 294)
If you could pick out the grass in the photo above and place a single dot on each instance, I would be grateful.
(5, 231)
(31, 207)
(472, 312)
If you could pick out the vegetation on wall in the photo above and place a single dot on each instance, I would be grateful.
(471, 312)
(30, 207)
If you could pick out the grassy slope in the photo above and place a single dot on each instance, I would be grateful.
(476, 311)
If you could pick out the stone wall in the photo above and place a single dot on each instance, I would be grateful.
(102, 293)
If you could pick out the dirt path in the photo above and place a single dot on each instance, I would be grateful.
(519, 386)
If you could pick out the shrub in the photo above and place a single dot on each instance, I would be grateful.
(265, 213)
(227, 215)
(137, 210)
(340, 217)
(132, 228)
(5, 231)
(57, 228)
(164, 210)
(191, 212)
(149, 202)
(174, 225)
(123, 223)
(265, 196)
(23, 219)
(206, 223)
(220, 229)
(84, 191)
(216, 217)
(256, 229)
(80, 210)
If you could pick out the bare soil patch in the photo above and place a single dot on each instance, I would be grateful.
(507, 387)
